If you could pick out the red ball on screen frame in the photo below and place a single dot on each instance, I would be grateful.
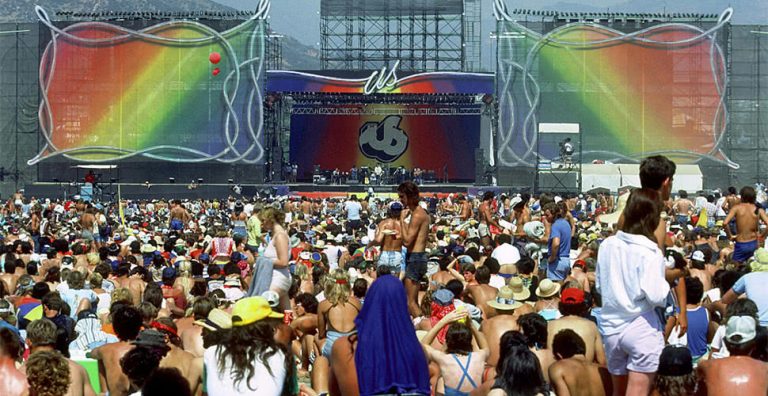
(215, 57)
(216, 71)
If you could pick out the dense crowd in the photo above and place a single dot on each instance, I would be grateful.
(644, 293)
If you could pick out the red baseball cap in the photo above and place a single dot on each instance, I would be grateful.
(581, 263)
(572, 295)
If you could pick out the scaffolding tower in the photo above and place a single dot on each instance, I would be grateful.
(473, 11)
(424, 35)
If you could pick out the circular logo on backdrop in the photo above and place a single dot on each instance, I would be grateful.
(383, 141)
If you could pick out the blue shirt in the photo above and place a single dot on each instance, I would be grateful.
(560, 229)
(754, 285)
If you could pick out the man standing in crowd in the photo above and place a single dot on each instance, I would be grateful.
(389, 237)
(748, 217)
(559, 243)
(179, 216)
(486, 218)
(415, 231)
(353, 209)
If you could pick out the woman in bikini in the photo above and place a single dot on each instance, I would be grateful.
(460, 367)
(336, 315)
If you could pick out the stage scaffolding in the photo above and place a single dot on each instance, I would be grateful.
(424, 35)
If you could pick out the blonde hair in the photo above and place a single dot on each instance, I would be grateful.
(302, 271)
(96, 280)
(337, 288)
(122, 295)
(93, 258)
(274, 215)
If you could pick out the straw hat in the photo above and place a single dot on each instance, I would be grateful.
(613, 218)
(505, 300)
(547, 288)
(520, 292)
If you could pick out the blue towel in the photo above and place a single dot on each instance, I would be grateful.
(389, 357)
(262, 276)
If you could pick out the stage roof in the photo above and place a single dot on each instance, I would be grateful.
(394, 8)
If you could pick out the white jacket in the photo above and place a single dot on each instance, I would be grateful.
(630, 278)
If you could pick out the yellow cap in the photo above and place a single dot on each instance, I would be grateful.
(251, 310)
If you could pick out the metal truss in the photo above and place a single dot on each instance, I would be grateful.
(421, 40)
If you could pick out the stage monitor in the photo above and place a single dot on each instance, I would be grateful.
(430, 137)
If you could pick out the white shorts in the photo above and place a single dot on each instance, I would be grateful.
(281, 279)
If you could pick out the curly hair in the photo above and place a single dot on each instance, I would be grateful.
(246, 344)
(276, 216)
(47, 374)
(681, 385)
(337, 287)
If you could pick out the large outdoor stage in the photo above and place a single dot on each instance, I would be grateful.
(223, 191)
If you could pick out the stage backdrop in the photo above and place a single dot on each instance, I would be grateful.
(414, 136)
(183, 91)
(636, 89)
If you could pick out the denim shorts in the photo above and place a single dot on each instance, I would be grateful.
(559, 270)
(392, 259)
(416, 266)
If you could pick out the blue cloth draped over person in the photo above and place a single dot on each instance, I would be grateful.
(389, 358)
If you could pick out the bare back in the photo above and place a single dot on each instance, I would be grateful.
(586, 329)
(109, 363)
(578, 377)
(341, 317)
(493, 329)
(746, 222)
(480, 295)
(736, 375)
(392, 240)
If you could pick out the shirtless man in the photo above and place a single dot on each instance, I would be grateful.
(731, 200)
(699, 270)
(190, 366)
(465, 208)
(306, 206)
(415, 234)
(574, 309)
(738, 374)
(574, 374)
(127, 323)
(682, 208)
(9, 277)
(41, 336)
(389, 237)
(178, 217)
(192, 337)
(12, 381)
(521, 214)
(486, 218)
(748, 217)
(579, 273)
(134, 284)
(87, 220)
(482, 292)
(504, 321)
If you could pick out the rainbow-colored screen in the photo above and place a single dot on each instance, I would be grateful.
(656, 90)
(429, 137)
(116, 92)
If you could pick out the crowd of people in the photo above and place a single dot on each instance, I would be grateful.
(453, 295)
